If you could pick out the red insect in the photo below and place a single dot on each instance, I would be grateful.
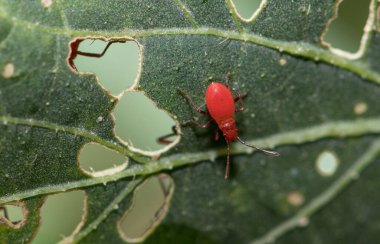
(221, 107)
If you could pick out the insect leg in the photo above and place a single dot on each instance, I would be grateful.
(239, 97)
(164, 139)
(227, 80)
(194, 122)
(190, 100)
(216, 135)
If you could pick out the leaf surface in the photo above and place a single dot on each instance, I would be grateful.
(302, 99)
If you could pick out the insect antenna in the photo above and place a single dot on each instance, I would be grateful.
(266, 152)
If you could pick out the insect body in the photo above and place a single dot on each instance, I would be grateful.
(221, 107)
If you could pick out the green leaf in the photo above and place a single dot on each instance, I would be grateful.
(304, 99)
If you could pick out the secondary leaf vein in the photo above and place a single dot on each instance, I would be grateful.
(187, 13)
(325, 197)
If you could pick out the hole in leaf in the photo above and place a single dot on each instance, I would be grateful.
(150, 204)
(97, 160)
(116, 69)
(327, 163)
(13, 215)
(140, 123)
(346, 30)
(61, 214)
(246, 8)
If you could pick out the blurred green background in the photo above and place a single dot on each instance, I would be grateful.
(140, 123)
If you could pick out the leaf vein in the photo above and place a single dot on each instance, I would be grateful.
(111, 207)
(325, 197)
(75, 131)
(187, 13)
(298, 49)
(235, 17)
(337, 129)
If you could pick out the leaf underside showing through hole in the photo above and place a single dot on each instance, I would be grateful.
(301, 100)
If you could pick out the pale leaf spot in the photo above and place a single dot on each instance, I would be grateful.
(8, 70)
(46, 3)
(360, 108)
(282, 61)
(295, 198)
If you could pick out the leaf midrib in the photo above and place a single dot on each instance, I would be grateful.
(298, 49)
(337, 129)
